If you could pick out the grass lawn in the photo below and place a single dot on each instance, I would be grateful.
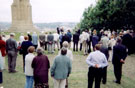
(78, 77)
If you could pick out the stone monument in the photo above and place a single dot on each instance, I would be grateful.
(21, 17)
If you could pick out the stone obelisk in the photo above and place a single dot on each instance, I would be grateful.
(21, 17)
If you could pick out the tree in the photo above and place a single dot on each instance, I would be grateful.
(109, 14)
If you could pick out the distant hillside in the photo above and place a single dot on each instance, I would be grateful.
(71, 25)
(4, 25)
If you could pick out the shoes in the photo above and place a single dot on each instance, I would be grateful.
(1, 87)
(118, 82)
(104, 83)
(66, 86)
(14, 71)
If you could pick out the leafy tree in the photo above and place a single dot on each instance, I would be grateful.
(109, 14)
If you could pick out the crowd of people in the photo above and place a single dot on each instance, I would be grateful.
(100, 47)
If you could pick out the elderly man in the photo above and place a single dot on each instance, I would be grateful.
(96, 62)
(11, 48)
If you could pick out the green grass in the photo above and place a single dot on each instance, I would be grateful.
(78, 77)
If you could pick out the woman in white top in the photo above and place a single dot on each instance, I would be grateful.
(69, 52)
(28, 69)
(112, 42)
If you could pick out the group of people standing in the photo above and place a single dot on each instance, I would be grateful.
(36, 67)
(102, 47)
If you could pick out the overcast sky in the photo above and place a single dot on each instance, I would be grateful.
(49, 10)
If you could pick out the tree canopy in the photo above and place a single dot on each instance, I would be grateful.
(109, 14)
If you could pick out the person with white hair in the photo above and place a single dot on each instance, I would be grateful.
(11, 49)
(41, 65)
(61, 69)
(69, 52)
(21, 38)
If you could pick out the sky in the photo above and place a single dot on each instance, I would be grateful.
(49, 10)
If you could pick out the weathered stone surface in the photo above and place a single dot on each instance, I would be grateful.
(21, 17)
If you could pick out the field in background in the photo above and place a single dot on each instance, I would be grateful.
(78, 77)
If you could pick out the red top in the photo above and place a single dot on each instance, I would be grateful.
(3, 47)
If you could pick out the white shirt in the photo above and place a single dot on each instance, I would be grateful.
(28, 61)
(56, 36)
(81, 38)
(112, 42)
(69, 54)
(21, 39)
(97, 57)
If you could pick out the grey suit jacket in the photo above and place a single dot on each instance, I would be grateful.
(11, 45)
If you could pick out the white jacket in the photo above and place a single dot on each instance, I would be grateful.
(28, 61)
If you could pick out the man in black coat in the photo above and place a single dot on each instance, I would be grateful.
(127, 40)
(75, 41)
(65, 37)
(29, 36)
(119, 56)
(104, 49)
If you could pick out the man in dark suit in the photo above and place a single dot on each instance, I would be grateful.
(65, 37)
(29, 36)
(75, 41)
(104, 49)
(127, 40)
(119, 56)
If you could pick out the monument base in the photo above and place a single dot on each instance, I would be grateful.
(23, 28)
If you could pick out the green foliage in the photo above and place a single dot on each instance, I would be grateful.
(109, 14)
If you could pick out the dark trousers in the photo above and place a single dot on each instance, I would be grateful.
(45, 45)
(94, 74)
(24, 62)
(42, 44)
(61, 45)
(75, 47)
(80, 46)
(118, 71)
(12, 55)
(104, 75)
(89, 47)
(35, 46)
(1, 78)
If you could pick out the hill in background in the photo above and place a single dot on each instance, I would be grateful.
(43, 26)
